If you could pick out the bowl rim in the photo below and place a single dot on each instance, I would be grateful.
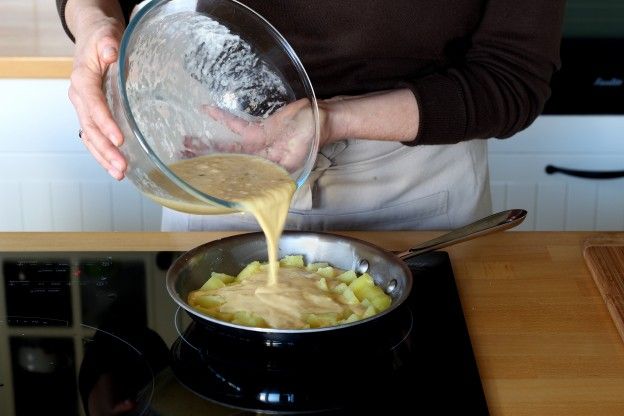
(162, 167)
(171, 279)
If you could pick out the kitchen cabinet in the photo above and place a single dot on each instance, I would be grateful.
(557, 201)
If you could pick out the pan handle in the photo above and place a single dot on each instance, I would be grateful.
(498, 222)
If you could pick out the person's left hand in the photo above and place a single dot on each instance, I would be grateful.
(282, 137)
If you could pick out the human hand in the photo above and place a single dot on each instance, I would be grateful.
(282, 137)
(97, 45)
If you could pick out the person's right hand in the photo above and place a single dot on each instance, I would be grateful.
(282, 137)
(97, 46)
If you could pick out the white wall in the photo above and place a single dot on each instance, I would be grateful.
(48, 181)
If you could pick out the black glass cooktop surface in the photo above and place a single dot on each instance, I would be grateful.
(96, 333)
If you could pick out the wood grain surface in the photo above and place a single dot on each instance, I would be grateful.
(605, 259)
(35, 67)
(543, 338)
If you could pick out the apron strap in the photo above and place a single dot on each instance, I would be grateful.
(303, 199)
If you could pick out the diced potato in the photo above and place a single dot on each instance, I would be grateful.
(251, 268)
(210, 312)
(339, 288)
(351, 318)
(381, 302)
(359, 297)
(376, 296)
(321, 319)
(349, 298)
(210, 301)
(216, 313)
(361, 284)
(327, 272)
(192, 297)
(347, 277)
(370, 311)
(248, 319)
(292, 261)
(322, 284)
(371, 292)
(213, 283)
(225, 278)
(312, 267)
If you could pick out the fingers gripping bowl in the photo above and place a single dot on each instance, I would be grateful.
(199, 78)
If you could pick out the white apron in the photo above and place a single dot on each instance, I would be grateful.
(372, 185)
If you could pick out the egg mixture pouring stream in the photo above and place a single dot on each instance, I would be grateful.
(265, 190)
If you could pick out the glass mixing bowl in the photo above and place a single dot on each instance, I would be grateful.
(181, 62)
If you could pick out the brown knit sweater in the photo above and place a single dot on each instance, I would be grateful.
(478, 68)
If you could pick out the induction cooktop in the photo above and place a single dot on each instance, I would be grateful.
(94, 333)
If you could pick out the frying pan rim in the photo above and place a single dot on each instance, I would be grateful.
(171, 279)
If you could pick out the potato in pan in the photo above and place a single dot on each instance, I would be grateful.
(309, 296)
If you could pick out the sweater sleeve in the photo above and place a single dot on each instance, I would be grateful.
(501, 83)
(126, 7)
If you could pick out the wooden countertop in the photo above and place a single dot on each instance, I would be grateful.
(544, 341)
(35, 67)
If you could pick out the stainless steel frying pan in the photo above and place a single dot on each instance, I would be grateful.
(231, 254)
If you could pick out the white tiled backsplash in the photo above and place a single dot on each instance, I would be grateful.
(49, 182)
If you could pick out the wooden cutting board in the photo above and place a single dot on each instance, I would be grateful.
(605, 259)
